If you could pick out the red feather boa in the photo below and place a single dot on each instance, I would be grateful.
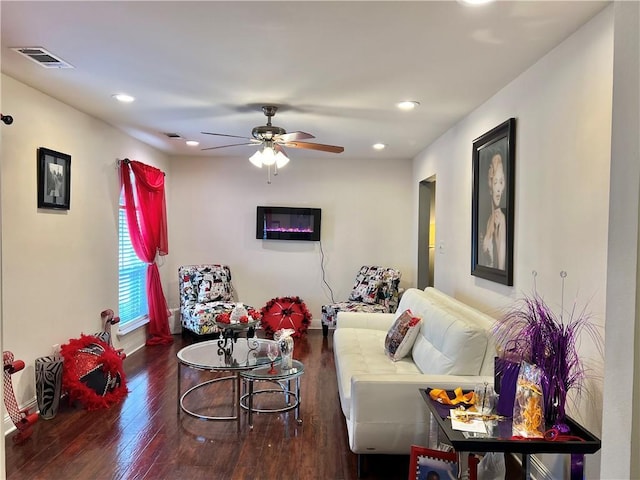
(76, 361)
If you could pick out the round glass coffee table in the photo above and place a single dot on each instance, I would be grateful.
(280, 377)
(223, 355)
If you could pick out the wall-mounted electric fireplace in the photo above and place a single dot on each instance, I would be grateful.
(288, 223)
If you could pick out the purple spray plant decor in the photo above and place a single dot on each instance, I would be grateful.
(532, 332)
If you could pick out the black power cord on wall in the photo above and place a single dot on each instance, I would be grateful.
(323, 272)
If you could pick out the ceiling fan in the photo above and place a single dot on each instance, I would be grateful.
(271, 136)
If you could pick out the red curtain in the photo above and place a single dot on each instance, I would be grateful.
(146, 210)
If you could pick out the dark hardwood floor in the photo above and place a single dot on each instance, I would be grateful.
(144, 437)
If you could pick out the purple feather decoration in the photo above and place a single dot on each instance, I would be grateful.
(533, 333)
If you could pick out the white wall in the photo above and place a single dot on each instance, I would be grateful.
(2, 459)
(563, 109)
(59, 269)
(366, 219)
(621, 425)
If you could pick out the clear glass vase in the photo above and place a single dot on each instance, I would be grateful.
(285, 342)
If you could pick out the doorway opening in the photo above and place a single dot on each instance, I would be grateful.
(426, 232)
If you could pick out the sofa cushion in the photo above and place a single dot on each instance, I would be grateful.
(361, 351)
(401, 335)
(473, 316)
(447, 344)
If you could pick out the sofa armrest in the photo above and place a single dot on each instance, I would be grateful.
(390, 397)
(371, 321)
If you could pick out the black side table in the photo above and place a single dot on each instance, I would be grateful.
(500, 440)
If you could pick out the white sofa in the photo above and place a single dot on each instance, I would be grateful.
(382, 406)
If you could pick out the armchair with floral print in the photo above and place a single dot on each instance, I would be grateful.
(376, 290)
(205, 292)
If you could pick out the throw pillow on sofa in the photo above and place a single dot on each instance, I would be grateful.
(402, 335)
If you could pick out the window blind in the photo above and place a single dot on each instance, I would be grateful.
(132, 276)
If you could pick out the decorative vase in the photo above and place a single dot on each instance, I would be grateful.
(238, 312)
(555, 403)
(285, 342)
(48, 385)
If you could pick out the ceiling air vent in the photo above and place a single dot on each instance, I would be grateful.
(42, 57)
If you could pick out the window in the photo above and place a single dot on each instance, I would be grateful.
(132, 280)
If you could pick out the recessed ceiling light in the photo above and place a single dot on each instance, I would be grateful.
(379, 146)
(407, 105)
(192, 143)
(475, 2)
(123, 97)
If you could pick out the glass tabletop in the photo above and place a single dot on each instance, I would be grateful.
(226, 354)
(262, 373)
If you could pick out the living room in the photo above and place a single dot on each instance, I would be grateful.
(576, 210)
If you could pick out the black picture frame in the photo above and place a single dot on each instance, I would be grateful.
(491, 226)
(54, 179)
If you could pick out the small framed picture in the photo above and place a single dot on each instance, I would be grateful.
(429, 464)
(54, 179)
(493, 202)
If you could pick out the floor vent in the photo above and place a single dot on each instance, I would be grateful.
(42, 57)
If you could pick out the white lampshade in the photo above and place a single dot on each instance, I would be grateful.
(268, 156)
(256, 159)
(281, 160)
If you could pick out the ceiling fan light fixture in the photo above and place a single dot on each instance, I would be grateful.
(268, 156)
(256, 159)
(192, 143)
(379, 146)
(281, 159)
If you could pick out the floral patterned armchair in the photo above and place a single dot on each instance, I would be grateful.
(376, 290)
(205, 291)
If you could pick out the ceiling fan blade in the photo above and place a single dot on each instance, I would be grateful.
(225, 135)
(292, 136)
(315, 146)
(232, 145)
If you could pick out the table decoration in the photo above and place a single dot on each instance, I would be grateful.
(273, 350)
(285, 312)
(531, 332)
(285, 342)
(231, 324)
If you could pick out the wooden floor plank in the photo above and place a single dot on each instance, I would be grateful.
(144, 437)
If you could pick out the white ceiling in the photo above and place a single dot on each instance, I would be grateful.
(335, 68)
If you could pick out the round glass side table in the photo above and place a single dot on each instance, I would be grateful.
(223, 355)
(283, 379)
